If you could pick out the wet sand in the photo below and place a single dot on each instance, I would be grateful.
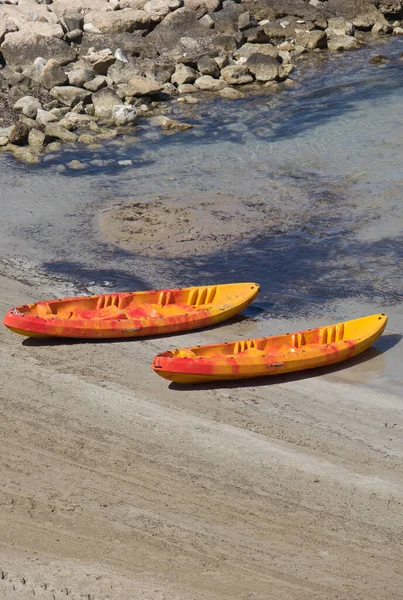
(116, 485)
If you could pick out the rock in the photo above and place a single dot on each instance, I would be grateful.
(3, 141)
(54, 147)
(142, 86)
(121, 55)
(74, 36)
(69, 95)
(397, 31)
(124, 114)
(43, 117)
(339, 26)
(380, 59)
(76, 164)
(168, 35)
(236, 75)
(25, 154)
(18, 134)
(157, 10)
(201, 7)
(22, 48)
(90, 28)
(208, 66)
(229, 93)
(30, 123)
(222, 61)
(36, 138)
(188, 99)
(187, 88)
(100, 61)
(247, 50)
(118, 21)
(382, 27)
(104, 102)
(86, 138)
(168, 124)
(343, 42)
(225, 43)
(43, 29)
(264, 68)
(226, 19)
(184, 74)
(246, 21)
(209, 84)
(161, 73)
(28, 106)
(257, 35)
(54, 130)
(207, 21)
(312, 39)
(96, 84)
(79, 77)
(73, 120)
(52, 75)
(73, 21)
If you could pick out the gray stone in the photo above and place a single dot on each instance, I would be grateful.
(79, 77)
(184, 74)
(141, 86)
(312, 39)
(248, 49)
(209, 84)
(69, 95)
(173, 125)
(225, 43)
(36, 138)
(264, 68)
(187, 88)
(339, 26)
(30, 123)
(343, 42)
(118, 21)
(157, 10)
(22, 48)
(382, 27)
(28, 106)
(18, 134)
(245, 21)
(124, 114)
(75, 36)
(3, 141)
(73, 21)
(236, 75)
(104, 102)
(207, 21)
(43, 117)
(229, 93)
(52, 75)
(96, 84)
(257, 35)
(208, 66)
(54, 130)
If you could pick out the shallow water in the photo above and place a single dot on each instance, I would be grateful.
(329, 152)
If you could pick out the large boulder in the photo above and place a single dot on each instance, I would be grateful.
(340, 43)
(22, 48)
(52, 75)
(69, 95)
(247, 50)
(79, 77)
(312, 39)
(44, 29)
(181, 30)
(226, 20)
(118, 21)
(104, 102)
(236, 75)
(277, 9)
(184, 74)
(140, 86)
(201, 7)
(264, 68)
(157, 10)
(28, 106)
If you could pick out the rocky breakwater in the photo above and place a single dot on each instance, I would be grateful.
(81, 71)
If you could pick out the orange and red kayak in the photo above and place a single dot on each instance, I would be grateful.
(271, 355)
(131, 314)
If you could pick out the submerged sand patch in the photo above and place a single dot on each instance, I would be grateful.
(197, 223)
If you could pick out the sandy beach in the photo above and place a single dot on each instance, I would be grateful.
(117, 486)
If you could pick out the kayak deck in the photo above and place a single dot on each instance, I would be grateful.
(271, 355)
(131, 314)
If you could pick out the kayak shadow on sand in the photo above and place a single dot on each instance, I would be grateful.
(385, 343)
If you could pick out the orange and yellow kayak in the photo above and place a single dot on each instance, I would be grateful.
(271, 355)
(131, 314)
